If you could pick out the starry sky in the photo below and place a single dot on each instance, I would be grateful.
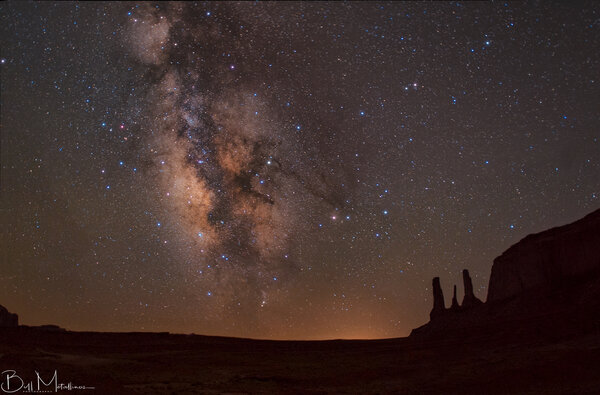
(284, 170)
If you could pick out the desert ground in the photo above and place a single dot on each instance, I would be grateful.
(131, 363)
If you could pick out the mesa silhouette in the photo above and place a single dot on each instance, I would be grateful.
(546, 283)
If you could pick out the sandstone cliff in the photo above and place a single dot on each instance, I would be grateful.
(8, 319)
(549, 281)
(547, 259)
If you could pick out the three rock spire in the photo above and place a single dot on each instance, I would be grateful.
(439, 306)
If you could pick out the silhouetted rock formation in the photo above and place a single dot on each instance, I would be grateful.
(439, 307)
(8, 319)
(547, 282)
(455, 305)
(469, 300)
(439, 310)
(547, 259)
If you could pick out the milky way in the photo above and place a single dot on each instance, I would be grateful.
(233, 173)
(284, 170)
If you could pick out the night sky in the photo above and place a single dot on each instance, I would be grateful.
(290, 170)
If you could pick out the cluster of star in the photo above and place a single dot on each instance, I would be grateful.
(284, 170)
(232, 173)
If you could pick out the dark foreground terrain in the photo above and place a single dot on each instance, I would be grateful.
(486, 363)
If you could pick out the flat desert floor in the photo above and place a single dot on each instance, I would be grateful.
(128, 363)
